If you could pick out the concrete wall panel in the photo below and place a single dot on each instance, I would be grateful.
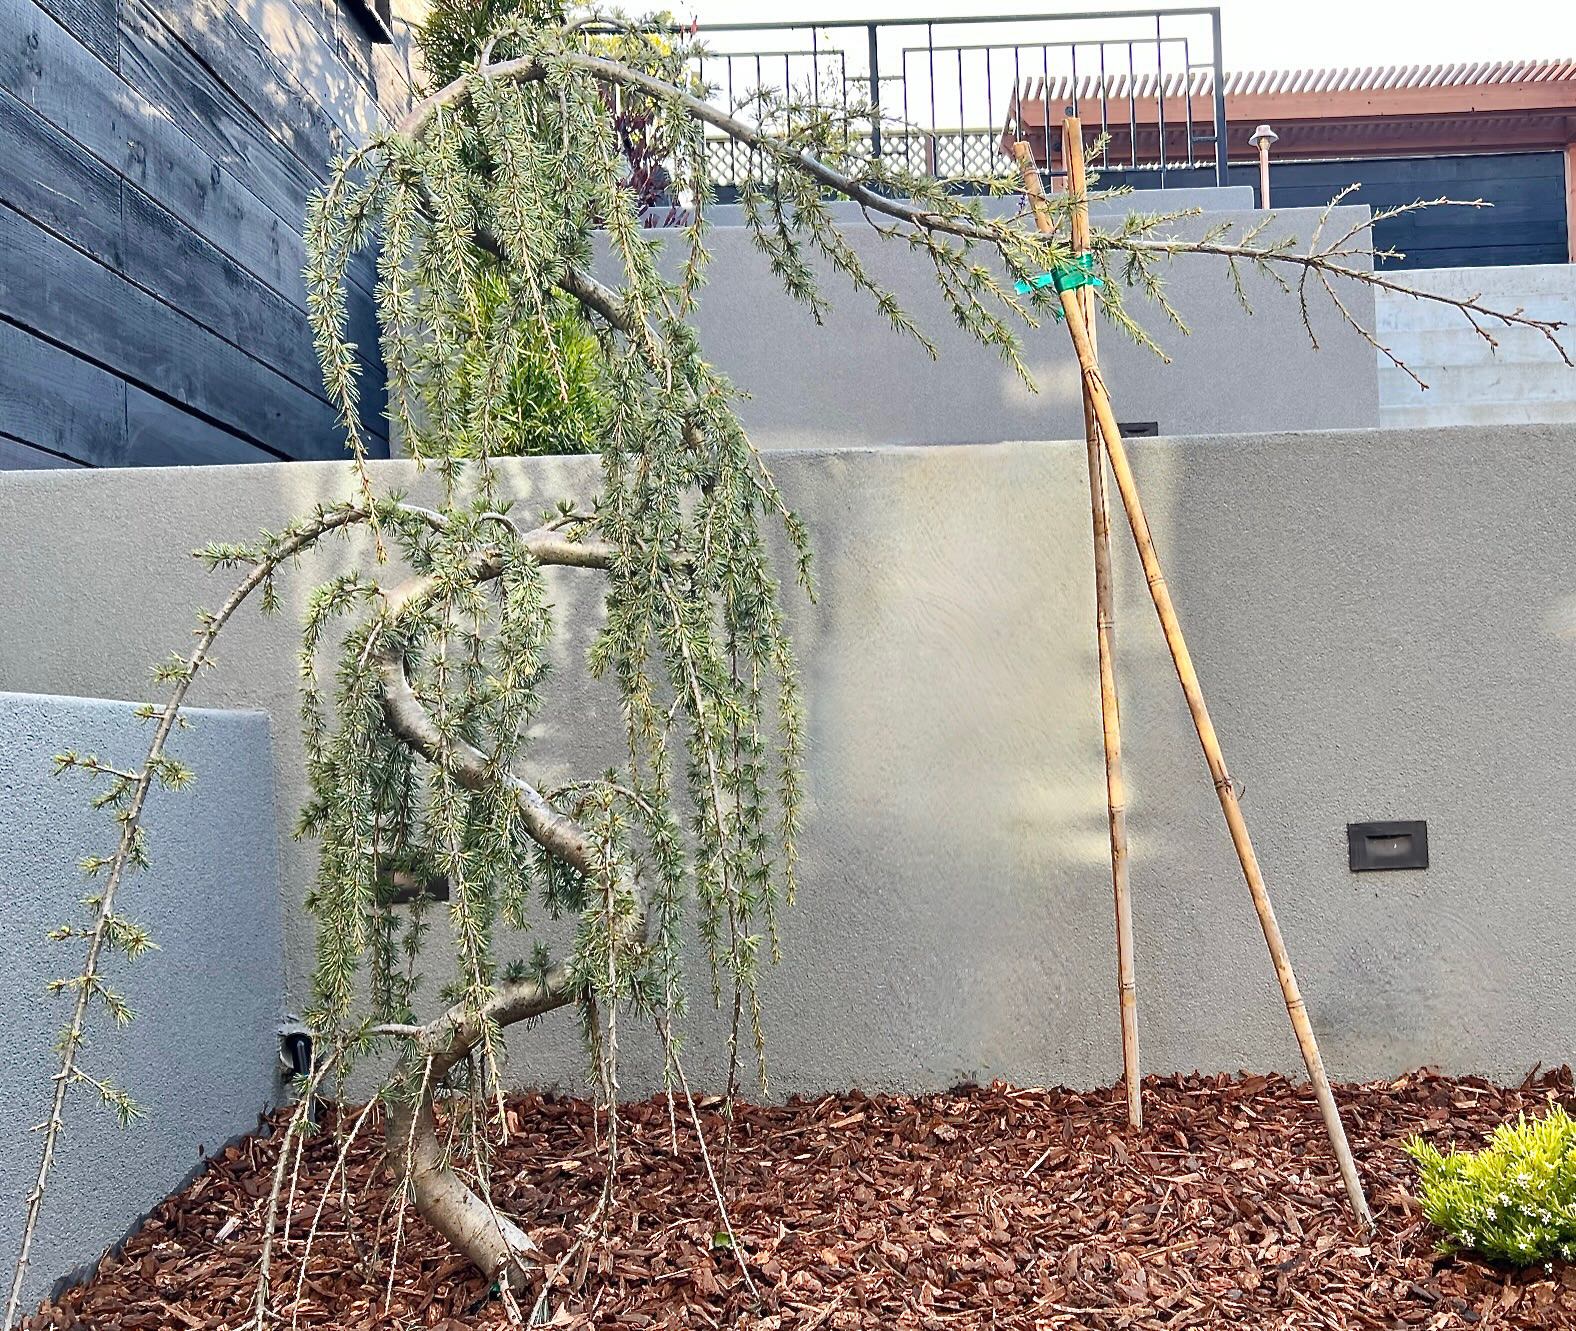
(1470, 381)
(1383, 621)
(854, 381)
(200, 1057)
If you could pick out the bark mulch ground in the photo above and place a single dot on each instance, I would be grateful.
(993, 1207)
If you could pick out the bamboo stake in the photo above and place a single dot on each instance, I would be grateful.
(1296, 1009)
(1105, 624)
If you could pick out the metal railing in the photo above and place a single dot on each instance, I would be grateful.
(953, 93)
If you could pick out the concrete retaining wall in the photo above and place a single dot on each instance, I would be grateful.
(854, 381)
(200, 1058)
(1386, 625)
(1469, 381)
(1205, 198)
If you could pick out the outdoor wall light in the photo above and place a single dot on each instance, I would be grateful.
(410, 887)
(399, 885)
(295, 1051)
(1390, 845)
(1261, 138)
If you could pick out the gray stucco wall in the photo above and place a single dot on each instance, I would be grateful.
(1233, 373)
(1206, 198)
(1471, 382)
(200, 1057)
(1385, 623)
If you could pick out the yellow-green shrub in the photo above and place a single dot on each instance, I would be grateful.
(1513, 1201)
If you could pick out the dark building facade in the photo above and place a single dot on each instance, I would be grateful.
(155, 164)
(1503, 133)
(1526, 219)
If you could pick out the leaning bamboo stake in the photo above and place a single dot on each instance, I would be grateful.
(1105, 625)
(1127, 487)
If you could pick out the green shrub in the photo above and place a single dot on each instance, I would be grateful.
(1513, 1201)
(551, 400)
(453, 33)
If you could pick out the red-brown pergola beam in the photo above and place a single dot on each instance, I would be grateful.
(1529, 113)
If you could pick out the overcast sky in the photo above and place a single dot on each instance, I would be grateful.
(1263, 34)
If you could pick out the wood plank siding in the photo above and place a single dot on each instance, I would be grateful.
(1526, 224)
(155, 164)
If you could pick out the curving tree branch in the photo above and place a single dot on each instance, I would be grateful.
(556, 833)
(959, 221)
(492, 1241)
(129, 852)
(495, 1244)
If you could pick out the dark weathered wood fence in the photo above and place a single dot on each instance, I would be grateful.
(155, 161)
(1527, 223)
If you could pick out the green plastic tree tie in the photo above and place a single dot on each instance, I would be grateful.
(1064, 277)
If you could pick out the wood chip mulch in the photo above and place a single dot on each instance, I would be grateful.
(996, 1207)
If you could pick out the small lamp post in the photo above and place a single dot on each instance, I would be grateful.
(1262, 137)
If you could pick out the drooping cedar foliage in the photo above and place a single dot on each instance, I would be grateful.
(484, 210)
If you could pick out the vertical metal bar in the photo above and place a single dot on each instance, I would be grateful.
(908, 133)
(935, 144)
(1105, 152)
(1045, 104)
(1160, 95)
(875, 92)
(1220, 101)
(990, 97)
(1187, 94)
(733, 146)
(1073, 99)
(963, 149)
(1132, 108)
(705, 155)
(1015, 131)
